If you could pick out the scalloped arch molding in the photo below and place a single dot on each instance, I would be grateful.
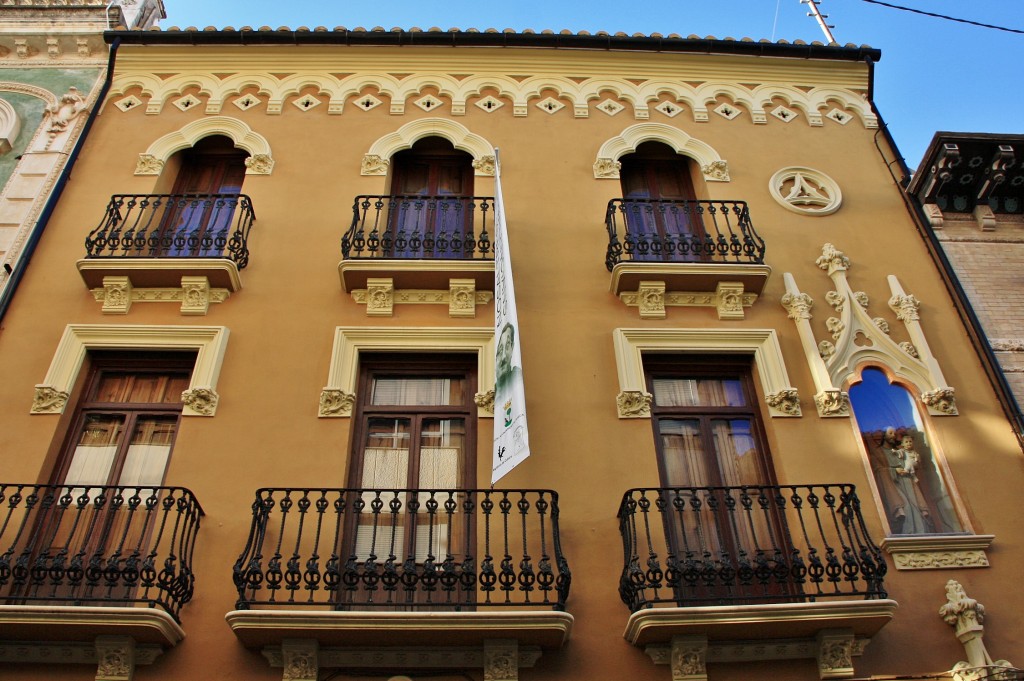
(635, 135)
(459, 135)
(241, 134)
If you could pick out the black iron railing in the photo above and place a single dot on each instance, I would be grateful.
(664, 230)
(97, 545)
(732, 545)
(419, 227)
(408, 549)
(174, 226)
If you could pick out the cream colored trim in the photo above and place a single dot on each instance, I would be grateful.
(85, 623)
(652, 299)
(10, 126)
(194, 295)
(734, 622)
(407, 135)
(813, 192)
(936, 552)
(630, 344)
(544, 628)
(260, 161)
(201, 397)
(711, 164)
(149, 272)
(380, 296)
(350, 341)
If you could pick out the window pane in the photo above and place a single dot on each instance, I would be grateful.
(684, 454)
(441, 447)
(737, 453)
(149, 388)
(94, 454)
(698, 392)
(386, 455)
(907, 476)
(149, 450)
(417, 391)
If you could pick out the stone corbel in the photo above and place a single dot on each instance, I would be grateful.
(652, 299)
(829, 400)
(115, 658)
(835, 653)
(934, 214)
(501, 660)
(195, 295)
(940, 400)
(967, 617)
(336, 403)
(300, 660)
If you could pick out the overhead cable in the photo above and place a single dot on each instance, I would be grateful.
(943, 16)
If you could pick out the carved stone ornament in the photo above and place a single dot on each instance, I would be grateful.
(787, 401)
(805, 191)
(259, 164)
(798, 306)
(606, 168)
(336, 402)
(836, 300)
(835, 654)
(833, 403)
(49, 400)
(826, 349)
(941, 400)
(633, 404)
(882, 325)
(115, 658)
(374, 165)
(300, 660)
(650, 299)
(832, 259)
(717, 171)
(729, 300)
(202, 401)
(688, 661)
(485, 400)
(909, 348)
(484, 165)
(861, 298)
(148, 164)
(501, 664)
(939, 560)
(967, 617)
(70, 105)
(835, 326)
(905, 308)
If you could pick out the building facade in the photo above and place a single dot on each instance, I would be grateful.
(762, 440)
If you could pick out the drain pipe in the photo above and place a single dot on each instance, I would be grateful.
(962, 303)
(18, 270)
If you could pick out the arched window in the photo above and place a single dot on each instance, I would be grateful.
(907, 476)
(432, 200)
(663, 221)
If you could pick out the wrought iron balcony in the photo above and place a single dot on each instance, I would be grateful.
(97, 545)
(414, 550)
(678, 231)
(414, 227)
(693, 546)
(174, 226)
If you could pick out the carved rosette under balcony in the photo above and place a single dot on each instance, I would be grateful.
(485, 400)
(115, 658)
(835, 654)
(300, 660)
(200, 401)
(858, 339)
(633, 404)
(335, 402)
(49, 400)
(787, 401)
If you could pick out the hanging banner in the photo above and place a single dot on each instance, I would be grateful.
(511, 439)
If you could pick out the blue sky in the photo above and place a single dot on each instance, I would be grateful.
(934, 74)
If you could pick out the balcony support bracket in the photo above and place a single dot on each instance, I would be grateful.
(461, 297)
(115, 657)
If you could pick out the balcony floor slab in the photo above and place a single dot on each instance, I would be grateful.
(69, 623)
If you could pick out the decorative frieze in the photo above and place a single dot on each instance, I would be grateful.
(115, 657)
(195, 295)
(380, 297)
(938, 552)
(729, 299)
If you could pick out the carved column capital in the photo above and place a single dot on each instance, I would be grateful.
(336, 402)
(967, 617)
(905, 307)
(633, 404)
(832, 259)
(832, 403)
(798, 305)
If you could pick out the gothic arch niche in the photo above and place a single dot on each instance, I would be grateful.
(607, 165)
(910, 480)
(10, 126)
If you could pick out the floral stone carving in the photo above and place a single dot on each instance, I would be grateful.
(374, 165)
(798, 306)
(832, 259)
(49, 400)
(336, 402)
(260, 164)
(148, 164)
(787, 401)
(633, 404)
(606, 168)
(941, 399)
(202, 401)
(832, 403)
(485, 400)
(716, 170)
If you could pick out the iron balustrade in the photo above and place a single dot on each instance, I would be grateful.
(424, 549)
(669, 230)
(174, 226)
(689, 546)
(419, 227)
(97, 545)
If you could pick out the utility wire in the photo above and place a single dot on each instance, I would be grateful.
(943, 16)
